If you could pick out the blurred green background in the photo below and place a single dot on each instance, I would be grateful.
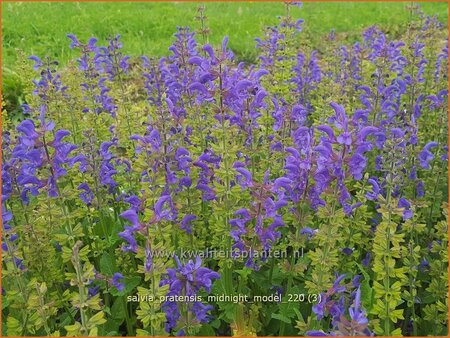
(147, 27)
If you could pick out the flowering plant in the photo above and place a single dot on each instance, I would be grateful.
(317, 178)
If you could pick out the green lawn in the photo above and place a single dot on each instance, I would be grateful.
(147, 28)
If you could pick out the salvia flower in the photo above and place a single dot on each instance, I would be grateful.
(33, 152)
(426, 156)
(187, 280)
(117, 281)
(128, 234)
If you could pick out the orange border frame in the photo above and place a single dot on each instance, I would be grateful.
(424, 1)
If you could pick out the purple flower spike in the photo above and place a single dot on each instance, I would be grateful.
(186, 223)
(129, 232)
(75, 42)
(356, 313)
(187, 280)
(373, 196)
(316, 334)
(131, 216)
(245, 178)
(27, 128)
(37, 62)
(425, 156)
(86, 196)
(117, 281)
(404, 203)
(308, 232)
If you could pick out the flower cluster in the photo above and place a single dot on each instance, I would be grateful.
(187, 281)
(132, 189)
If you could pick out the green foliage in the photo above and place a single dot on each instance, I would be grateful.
(394, 253)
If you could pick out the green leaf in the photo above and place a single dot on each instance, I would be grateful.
(73, 330)
(107, 265)
(117, 310)
(228, 311)
(215, 323)
(93, 332)
(286, 309)
(97, 319)
(13, 327)
(207, 330)
(281, 317)
(111, 328)
(366, 290)
(298, 313)
(5, 303)
(140, 333)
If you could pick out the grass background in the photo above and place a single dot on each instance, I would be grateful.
(147, 28)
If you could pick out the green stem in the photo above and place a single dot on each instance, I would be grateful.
(387, 321)
(127, 318)
(81, 289)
